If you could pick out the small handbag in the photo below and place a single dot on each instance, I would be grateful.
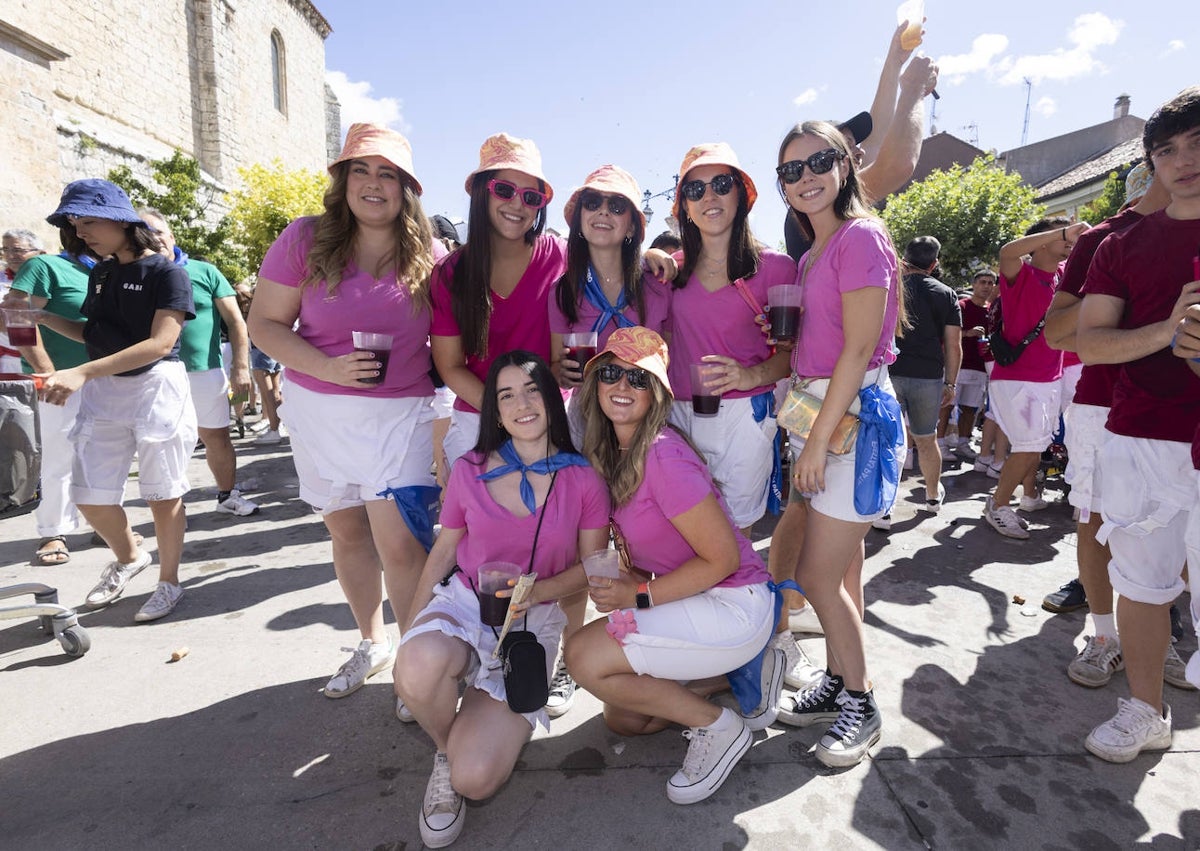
(801, 406)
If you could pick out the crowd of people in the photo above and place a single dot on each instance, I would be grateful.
(592, 396)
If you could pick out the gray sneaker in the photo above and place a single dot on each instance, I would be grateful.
(1175, 671)
(114, 579)
(1097, 662)
(161, 603)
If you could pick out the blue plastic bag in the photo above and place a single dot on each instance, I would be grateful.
(878, 451)
(746, 681)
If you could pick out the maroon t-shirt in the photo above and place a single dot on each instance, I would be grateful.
(1146, 265)
(1095, 385)
(973, 316)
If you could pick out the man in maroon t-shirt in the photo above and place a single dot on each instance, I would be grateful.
(1139, 287)
(972, 375)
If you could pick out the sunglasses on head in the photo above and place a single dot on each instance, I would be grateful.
(610, 373)
(504, 190)
(694, 190)
(592, 201)
(820, 163)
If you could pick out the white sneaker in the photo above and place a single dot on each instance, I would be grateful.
(982, 463)
(269, 437)
(993, 470)
(964, 451)
(1136, 727)
(805, 620)
(161, 603)
(1004, 520)
(368, 659)
(771, 681)
(402, 712)
(1174, 671)
(237, 504)
(1097, 662)
(798, 670)
(711, 755)
(562, 692)
(1032, 503)
(883, 524)
(260, 426)
(934, 505)
(114, 579)
(443, 812)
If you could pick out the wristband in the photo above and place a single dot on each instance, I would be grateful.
(950, 384)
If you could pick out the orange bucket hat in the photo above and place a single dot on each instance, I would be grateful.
(504, 151)
(712, 153)
(640, 347)
(613, 180)
(373, 140)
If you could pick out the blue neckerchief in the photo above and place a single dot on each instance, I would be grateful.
(82, 259)
(181, 257)
(593, 292)
(544, 466)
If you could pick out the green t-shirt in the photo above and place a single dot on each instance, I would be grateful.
(200, 342)
(63, 283)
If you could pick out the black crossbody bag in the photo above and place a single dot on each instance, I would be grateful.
(1006, 353)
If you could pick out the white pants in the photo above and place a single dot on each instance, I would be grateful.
(57, 515)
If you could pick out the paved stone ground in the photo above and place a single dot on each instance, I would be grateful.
(234, 747)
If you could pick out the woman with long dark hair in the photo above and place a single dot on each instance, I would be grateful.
(522, 496)
(359, 417)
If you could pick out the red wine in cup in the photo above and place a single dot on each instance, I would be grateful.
(785, 322)
(382, 357)
(22, 335)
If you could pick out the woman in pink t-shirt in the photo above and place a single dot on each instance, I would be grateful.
(693, 602)
(360, 423)
(716, 318)
(523, 496)
(852, 310)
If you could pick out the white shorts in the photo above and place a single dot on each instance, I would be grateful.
(1026, 411)
(739, 452)
(461, 437)
(1148, 490)
(1085, 435)
(456, 610)
(972, 385)
(1192, 539)
(443, 402)
(210, 396)
(1070, 378)
(705, 635)
(148, 415)
(349, 448)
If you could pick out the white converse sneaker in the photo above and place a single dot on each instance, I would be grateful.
(161, 603)
(1136, 727)
(798, 671)
(805, 620)
(712, 753)
(114, 579)
(368, 659)
(443, 811)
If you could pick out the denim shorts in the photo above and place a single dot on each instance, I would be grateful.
(264, 362)
(920, 399)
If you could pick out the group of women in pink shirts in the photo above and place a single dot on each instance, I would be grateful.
(554, 454)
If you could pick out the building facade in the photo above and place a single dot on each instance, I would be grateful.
(86, 86)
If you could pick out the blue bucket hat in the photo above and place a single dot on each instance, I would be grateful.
(96, 198)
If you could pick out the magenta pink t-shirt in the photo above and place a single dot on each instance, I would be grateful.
(361, 303)
(658, 301)
(722, 323)
(859, 255)
(520, 321)
(676, 480)
(578, 501)
(1023, 304)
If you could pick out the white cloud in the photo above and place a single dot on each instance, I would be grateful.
(358, 105)
(1090, 32)
(805, 97)
(984, 50)
(1046, 107)
(1174, 46)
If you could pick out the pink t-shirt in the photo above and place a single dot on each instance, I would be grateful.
(493, 533)
(361, 303)
(859, 255)
(1023, 303)
(676, 480)
(520, 321)
(722, 323)
(658, 301)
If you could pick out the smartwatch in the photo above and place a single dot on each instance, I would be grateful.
(643, 598)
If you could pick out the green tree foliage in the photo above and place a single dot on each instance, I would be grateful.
(972, 211)
(272, 197)
(183, 198)
(1110, 201)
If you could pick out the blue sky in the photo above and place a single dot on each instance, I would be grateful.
(638, 83)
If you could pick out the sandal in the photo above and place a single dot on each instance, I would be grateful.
(49, 555)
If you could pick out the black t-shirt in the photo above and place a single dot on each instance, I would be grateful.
(931, 307)
(122, 299)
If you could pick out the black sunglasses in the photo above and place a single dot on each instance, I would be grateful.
(592, 201)
(610, 373)
(820, 163)
(694, 190)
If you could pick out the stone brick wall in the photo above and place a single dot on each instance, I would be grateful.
(87, 85)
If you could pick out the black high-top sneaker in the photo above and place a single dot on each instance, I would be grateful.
(857, 727)
(814, 705)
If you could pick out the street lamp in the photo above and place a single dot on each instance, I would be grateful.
(648, 196)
